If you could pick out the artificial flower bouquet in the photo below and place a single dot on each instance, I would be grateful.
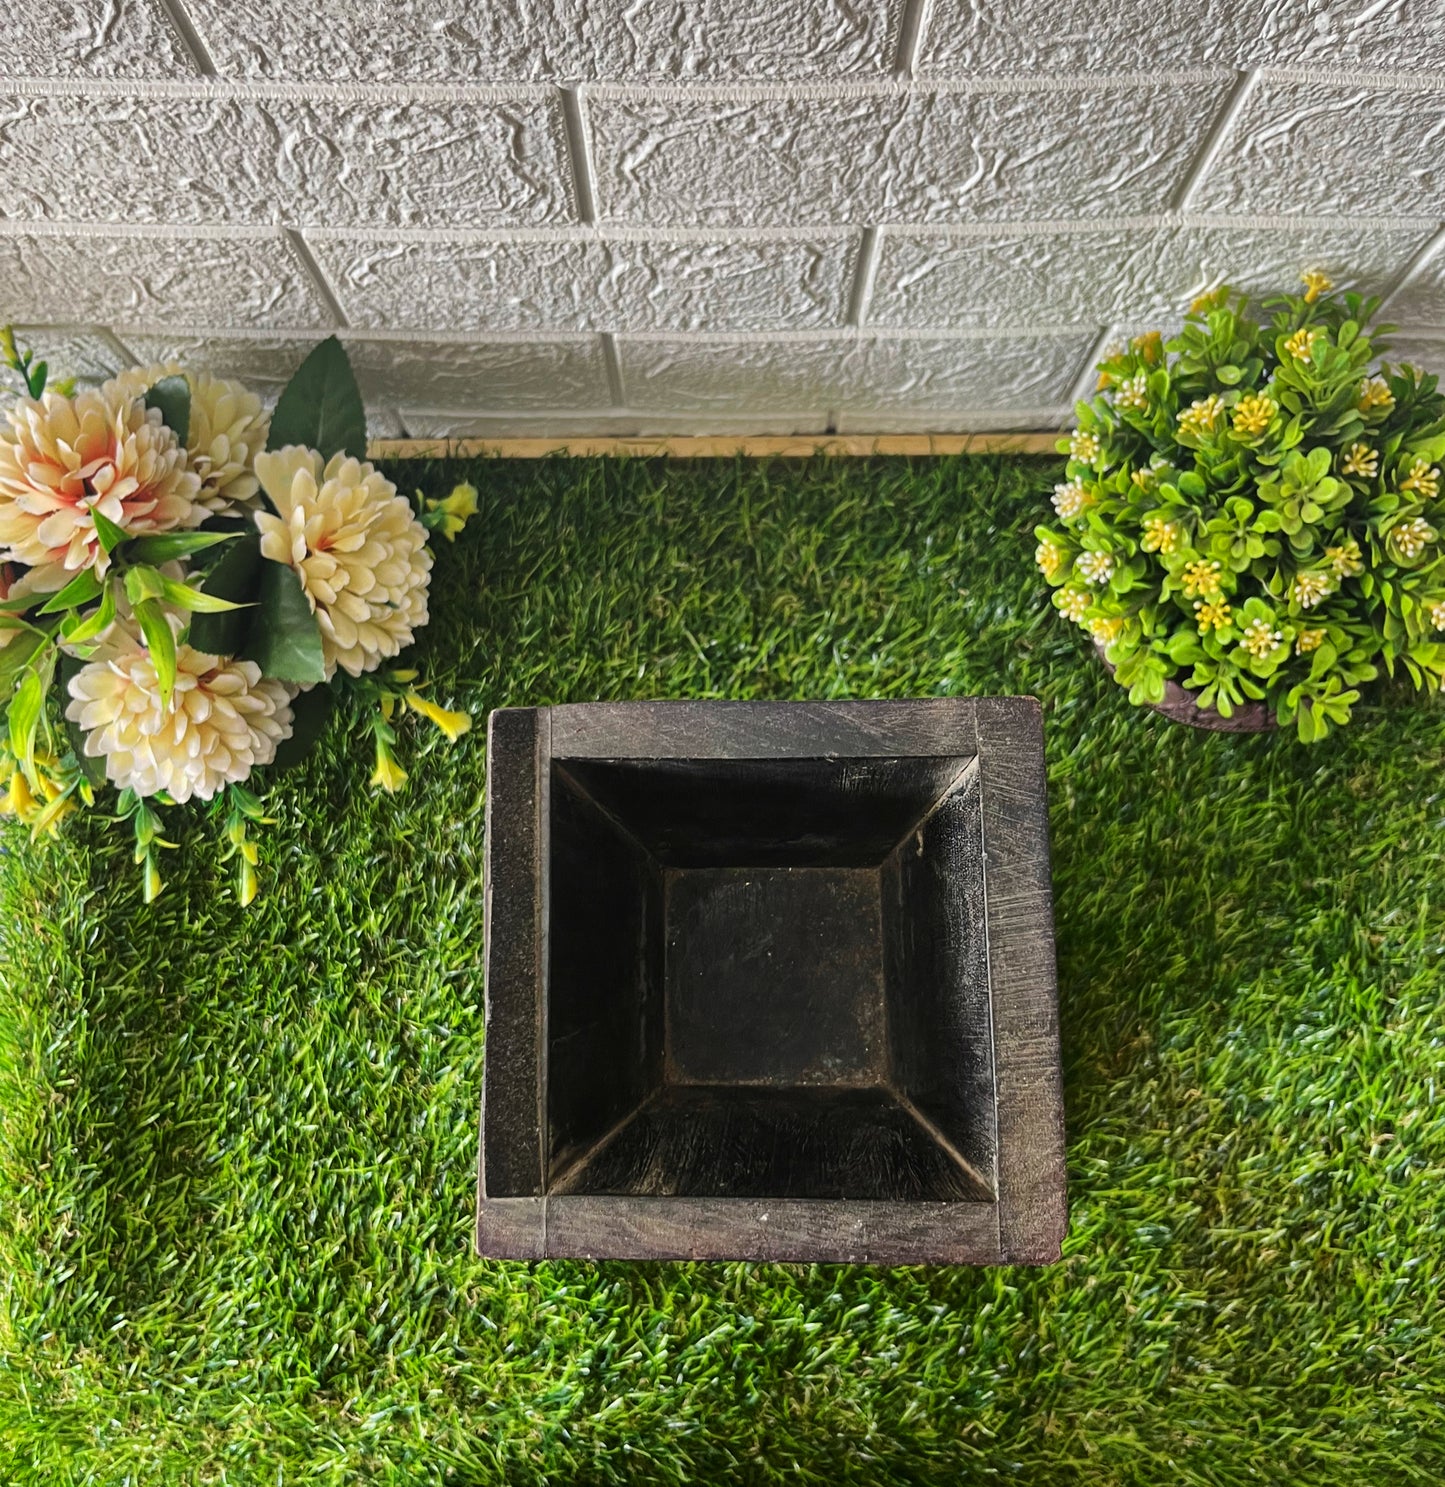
(1255, 510)
(189, 584)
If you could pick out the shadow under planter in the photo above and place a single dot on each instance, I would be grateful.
(771, 981)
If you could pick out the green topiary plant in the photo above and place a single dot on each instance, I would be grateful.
(1255, 511)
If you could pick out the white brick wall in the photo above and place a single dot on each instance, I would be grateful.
(540, 216)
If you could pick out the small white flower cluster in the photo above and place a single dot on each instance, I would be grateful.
(1309, 589)
(1132, 394)
(1412, 537)
(1070, 499)
(1260, 639)
(1084, 446)
(1095, 567)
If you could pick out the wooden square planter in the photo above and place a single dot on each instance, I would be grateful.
(771, 981)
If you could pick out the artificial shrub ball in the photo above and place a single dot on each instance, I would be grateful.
(1254, 510)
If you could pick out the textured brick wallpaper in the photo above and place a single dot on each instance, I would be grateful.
(547, 216)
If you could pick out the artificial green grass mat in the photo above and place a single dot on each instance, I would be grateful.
(237, 1148)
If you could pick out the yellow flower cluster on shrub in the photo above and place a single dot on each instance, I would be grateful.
(1253, 509)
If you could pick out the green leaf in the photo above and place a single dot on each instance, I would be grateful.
(310, 712)
(107, 533)
(194, 601)
(93, 766)
(172, 396)
(161, 643)
(142, 583)
(170, 546)
(16, 655)
(237, 578)
(25, 709)
(83, 630)
(84, 588)
(284, 638)
(321, 406)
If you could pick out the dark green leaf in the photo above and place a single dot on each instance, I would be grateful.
(284, 638)
(236, 576)
(84, 588)
(172, 396)
(310, 710)
(170, 546)
(321, 406)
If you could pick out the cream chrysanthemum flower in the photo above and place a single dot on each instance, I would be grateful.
(356, 546)
(224, 718)
(63, 457)
(228, 428)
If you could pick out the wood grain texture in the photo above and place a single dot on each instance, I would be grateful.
(931, 1131)
(794, 956)
(513, 1081)
(744, 1143)
(936, 949)
(809, 1230)
(713, 446)
(765, 730)
(841, 812)
(1023, 980)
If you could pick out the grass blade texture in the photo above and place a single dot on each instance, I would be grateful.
(237, 1148)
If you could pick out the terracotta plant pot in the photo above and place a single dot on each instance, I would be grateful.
(1180, 705)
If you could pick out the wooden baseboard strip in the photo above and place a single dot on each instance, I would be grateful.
(720, 446)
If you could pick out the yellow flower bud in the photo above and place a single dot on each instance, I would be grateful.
(455, 509)
(389, 775)
(451, 723)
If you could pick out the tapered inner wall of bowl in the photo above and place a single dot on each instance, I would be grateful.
(768, 978)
